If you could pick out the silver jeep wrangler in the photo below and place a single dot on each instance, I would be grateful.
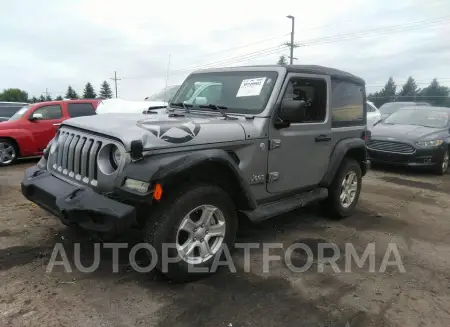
(257, 142)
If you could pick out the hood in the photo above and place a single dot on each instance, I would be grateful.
(8, 124)
(404, 132)
(126, 106)
(160, 130)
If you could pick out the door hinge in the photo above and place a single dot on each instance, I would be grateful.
(275, 143)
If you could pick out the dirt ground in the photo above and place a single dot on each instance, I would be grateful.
(410, 210)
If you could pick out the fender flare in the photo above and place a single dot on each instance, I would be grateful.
(165, 167)
(339, 152)
(23, 138)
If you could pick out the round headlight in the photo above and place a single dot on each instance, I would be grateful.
(116, 155)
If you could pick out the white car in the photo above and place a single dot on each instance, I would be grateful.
(373, 114)
(164, 95)
(128, 106)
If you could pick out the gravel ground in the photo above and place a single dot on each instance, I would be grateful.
(409, 210)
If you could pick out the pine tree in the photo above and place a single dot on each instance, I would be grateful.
(409, 91)
(435, 94)
(89, 92)
(71, 94)
(386, 94)
(34, 100)
(282, 60)
(105, 91)
(41, 98)
(48, 98)
(59, 98)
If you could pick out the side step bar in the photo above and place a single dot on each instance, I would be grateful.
(279, 207)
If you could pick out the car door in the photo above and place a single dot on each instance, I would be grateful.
(299, 154)
(43, 123)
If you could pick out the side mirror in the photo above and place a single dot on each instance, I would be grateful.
(292, 110)
(36, 116)
(201, 101)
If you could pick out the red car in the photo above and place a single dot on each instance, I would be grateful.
(29, 130)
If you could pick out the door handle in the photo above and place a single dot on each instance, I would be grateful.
(323, 138)
(56, 124)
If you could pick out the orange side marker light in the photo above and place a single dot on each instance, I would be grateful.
(157, 192)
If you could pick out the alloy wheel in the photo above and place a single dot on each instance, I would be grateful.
(349, 188)
(7, 153)
(201, 234)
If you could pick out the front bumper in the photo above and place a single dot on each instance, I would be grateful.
(420, 158)
(76, 205)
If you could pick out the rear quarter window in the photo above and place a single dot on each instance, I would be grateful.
(80, 109)
(347, 104)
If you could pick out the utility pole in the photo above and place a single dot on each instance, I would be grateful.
(291, 44)
(115, 79)
(47, 93)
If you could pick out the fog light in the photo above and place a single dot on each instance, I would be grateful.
(135, 185)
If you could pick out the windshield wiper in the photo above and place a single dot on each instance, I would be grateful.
(219, 109)
(183, 105)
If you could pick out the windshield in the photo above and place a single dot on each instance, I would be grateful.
(239, 91)
(164, 95)
(420, 117)
(19, 114)
(389, 108)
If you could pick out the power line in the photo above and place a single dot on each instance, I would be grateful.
(241, 46)
(377, 31)
(379, 13)
(311, 42)
(247, 56)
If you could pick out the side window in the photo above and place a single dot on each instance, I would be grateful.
(80, 109)
(314, 93)
(347, 104)
(48, 112)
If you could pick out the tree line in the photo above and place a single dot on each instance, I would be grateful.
(434, 94)
(18, 95)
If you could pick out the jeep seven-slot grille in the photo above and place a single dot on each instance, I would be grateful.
(388, 146)
(76, 156)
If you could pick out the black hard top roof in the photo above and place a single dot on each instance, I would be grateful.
(306, 69)
(322, 70)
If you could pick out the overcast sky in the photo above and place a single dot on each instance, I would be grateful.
(54, 43)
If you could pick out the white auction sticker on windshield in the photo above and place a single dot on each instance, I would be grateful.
(251, 87)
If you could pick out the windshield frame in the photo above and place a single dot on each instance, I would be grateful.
(254, 72)
(437, 110)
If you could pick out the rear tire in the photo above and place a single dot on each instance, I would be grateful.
(174, 222)
(344, 191)
(8, 152)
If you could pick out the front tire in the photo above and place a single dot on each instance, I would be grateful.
(8, 152)
(194, 223)
(442, 166)
(343, 193)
